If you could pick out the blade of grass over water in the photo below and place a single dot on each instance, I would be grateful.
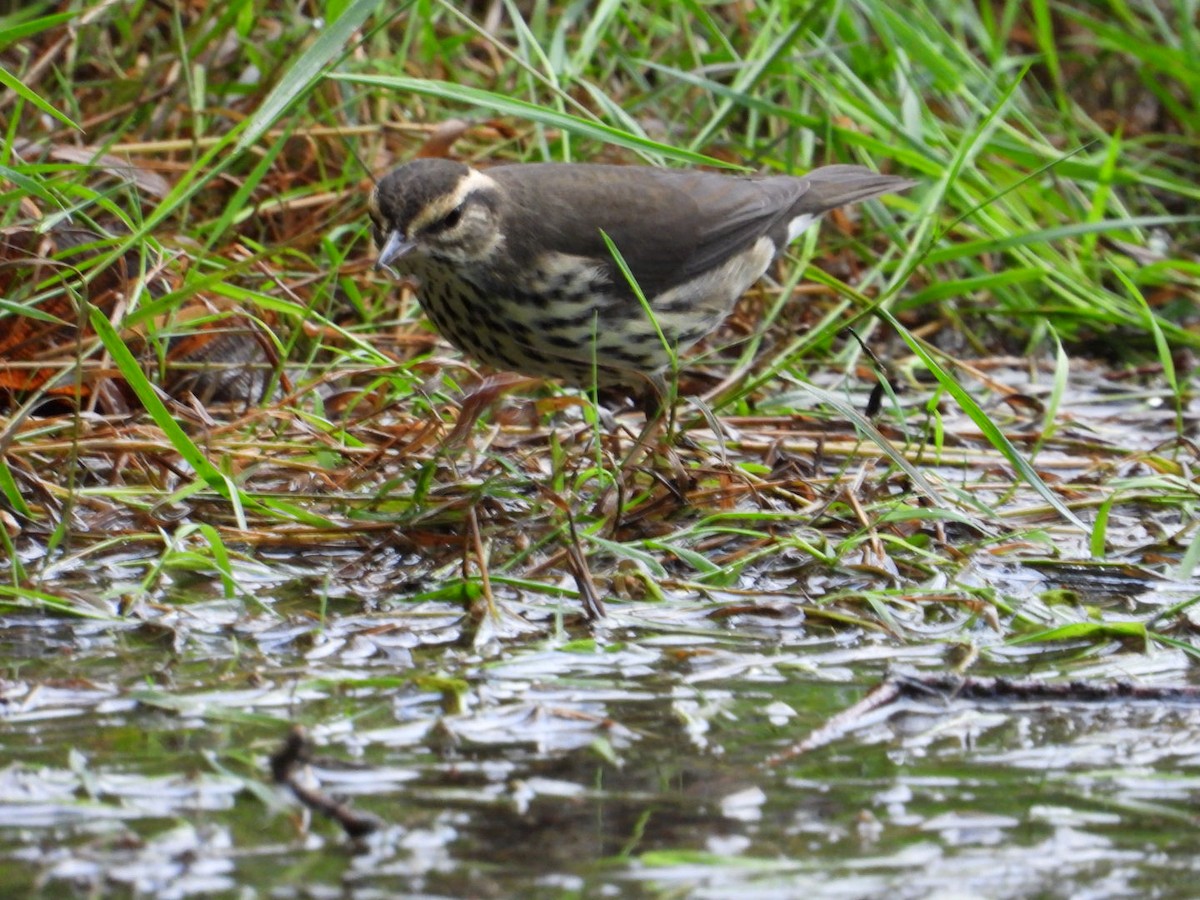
(149, 396)
(991, 431)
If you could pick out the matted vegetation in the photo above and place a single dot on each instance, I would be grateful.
(957, 421)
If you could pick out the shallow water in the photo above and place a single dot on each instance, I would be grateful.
(528, 757)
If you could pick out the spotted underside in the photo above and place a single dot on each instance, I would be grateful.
(572, 322)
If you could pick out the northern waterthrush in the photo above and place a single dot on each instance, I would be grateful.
(515, 270)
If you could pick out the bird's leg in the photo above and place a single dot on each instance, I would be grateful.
(656, 402)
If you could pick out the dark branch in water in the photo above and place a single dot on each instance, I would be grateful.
(286, 765)
(950, 688)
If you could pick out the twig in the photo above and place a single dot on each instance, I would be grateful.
(286, 764)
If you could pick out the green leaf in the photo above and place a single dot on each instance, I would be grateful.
(305, 71)
(971, 249)
(1086, 630)
(1098, 542)
(148, 395)
(10, 491)
(28, 598)
(14, 84)
(499, 104)
(990, 431)
(14, 33)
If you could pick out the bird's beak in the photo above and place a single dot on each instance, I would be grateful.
(393, 248)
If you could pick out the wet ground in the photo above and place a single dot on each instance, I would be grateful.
(632, 759)
(510, 748)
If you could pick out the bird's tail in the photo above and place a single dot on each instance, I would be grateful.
(834, 186)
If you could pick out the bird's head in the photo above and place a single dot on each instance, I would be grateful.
(439, 208)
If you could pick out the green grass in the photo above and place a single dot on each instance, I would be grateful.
(230, 150)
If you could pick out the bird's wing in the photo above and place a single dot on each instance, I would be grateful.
(668, 225)
(734, 212)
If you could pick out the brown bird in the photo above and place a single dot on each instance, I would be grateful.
(515, 270)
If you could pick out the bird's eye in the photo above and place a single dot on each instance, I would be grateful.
(451, 219)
